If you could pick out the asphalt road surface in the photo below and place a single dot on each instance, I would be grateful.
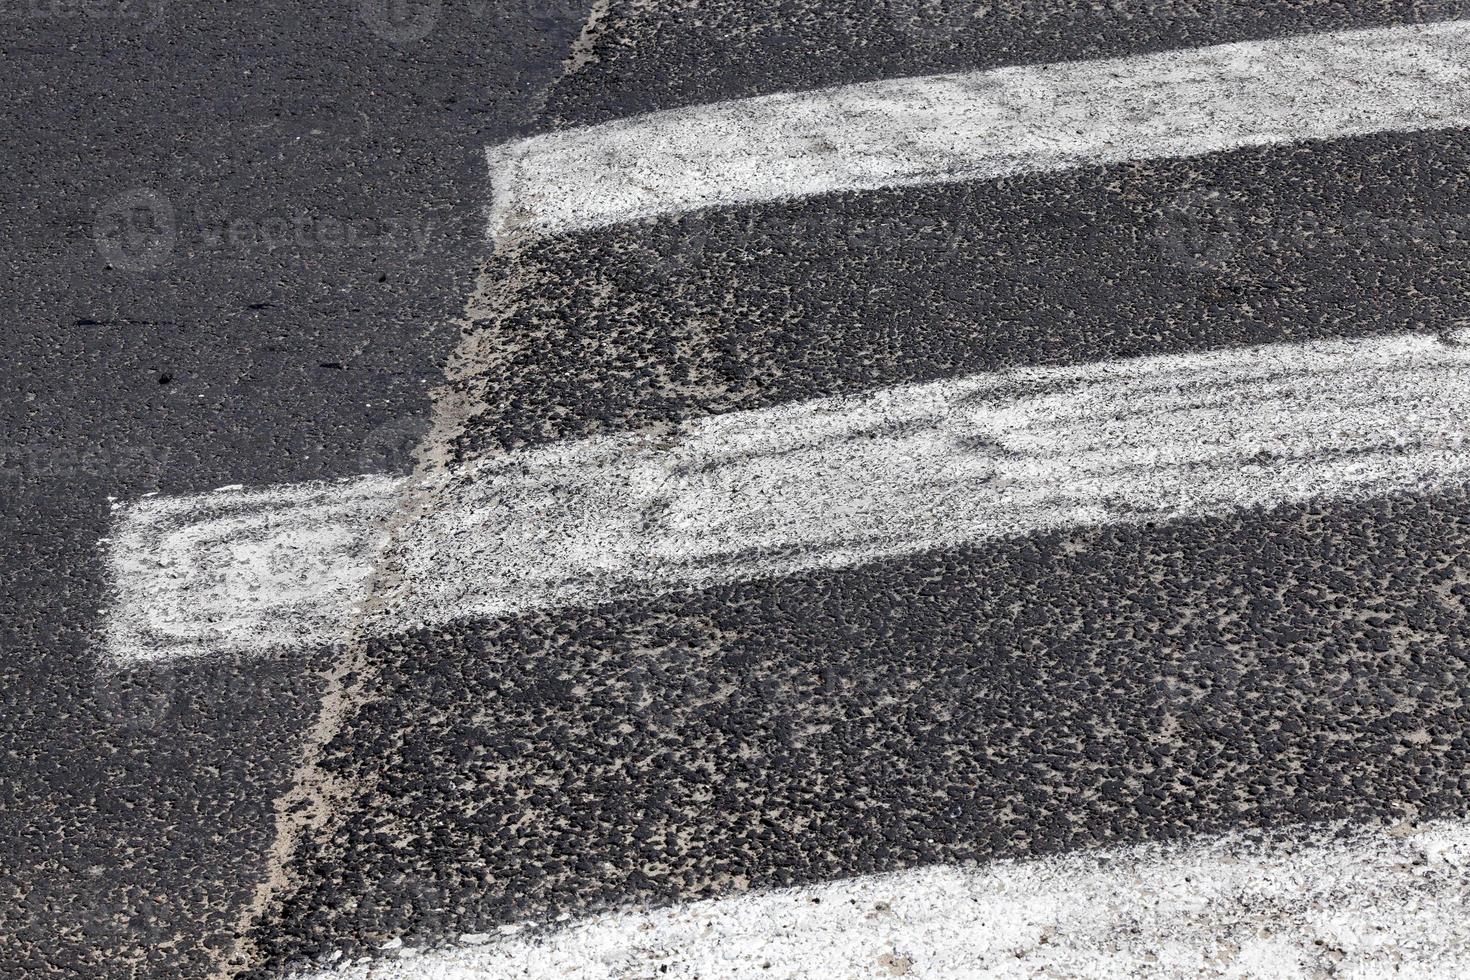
(705, 489)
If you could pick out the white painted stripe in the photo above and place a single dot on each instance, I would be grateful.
(249, 570)
(1354, 902)
(980, 125)
(827, 483)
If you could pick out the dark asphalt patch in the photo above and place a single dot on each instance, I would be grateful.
(236, 240)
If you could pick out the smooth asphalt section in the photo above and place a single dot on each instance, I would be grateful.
(236, 238)
(1079, 688)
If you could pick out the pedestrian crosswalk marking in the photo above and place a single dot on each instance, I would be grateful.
(822, 484)
(945, 128)
(1339, 901)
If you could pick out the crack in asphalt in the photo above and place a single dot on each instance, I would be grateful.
(311, 806)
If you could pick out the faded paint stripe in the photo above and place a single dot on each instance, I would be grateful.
(821, 484)
(1339, 902)
(249, 570)
(972, 126)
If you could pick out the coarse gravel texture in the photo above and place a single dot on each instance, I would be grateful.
(1266, 669)
(1354, 902)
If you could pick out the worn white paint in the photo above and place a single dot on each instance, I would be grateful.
(238, 569)
(1350, 902)
(828, 483)
(944, 128)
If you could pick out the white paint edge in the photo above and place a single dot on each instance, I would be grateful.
(822, 484)
(1354, 902)
(979, 125)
